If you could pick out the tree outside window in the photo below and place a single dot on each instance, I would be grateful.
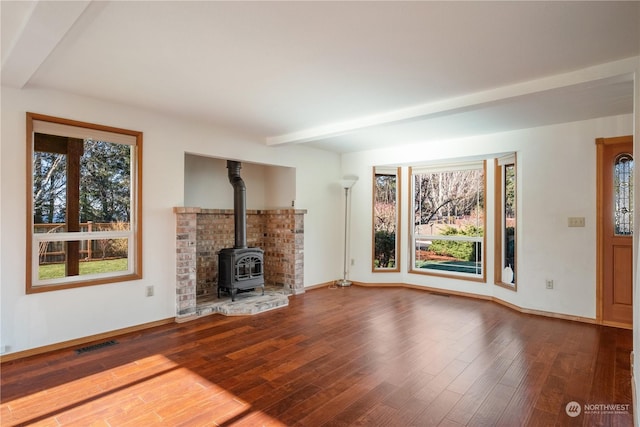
(386, 205)
(85, 207)
(448, 213)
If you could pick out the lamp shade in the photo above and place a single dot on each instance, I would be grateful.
(348, 182)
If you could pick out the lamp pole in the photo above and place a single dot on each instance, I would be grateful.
(344, 281)
(346, 184)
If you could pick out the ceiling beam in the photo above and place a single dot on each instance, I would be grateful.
(45, 27)
(621, 69)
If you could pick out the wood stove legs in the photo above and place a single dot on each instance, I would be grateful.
(234, 291)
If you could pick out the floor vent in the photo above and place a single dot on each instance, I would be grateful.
(96, 346)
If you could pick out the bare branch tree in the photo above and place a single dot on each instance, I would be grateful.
(445, 196)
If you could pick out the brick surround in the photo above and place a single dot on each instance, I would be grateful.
(201, 233)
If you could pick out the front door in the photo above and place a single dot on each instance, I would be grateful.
(615, 231)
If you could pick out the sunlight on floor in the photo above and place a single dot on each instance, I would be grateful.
(148, 391)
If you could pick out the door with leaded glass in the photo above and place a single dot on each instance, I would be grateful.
(615, 231)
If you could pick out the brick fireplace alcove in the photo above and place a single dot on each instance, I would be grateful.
(201, 233)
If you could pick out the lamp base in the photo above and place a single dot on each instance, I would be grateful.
(343, 283)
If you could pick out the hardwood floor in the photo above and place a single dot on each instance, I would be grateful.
(347, 356)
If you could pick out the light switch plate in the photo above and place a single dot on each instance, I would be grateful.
(576, 221)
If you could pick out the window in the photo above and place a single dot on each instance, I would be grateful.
(623, 195)
(84, 210)
(505, 222)
(386, 219)
(448, 220)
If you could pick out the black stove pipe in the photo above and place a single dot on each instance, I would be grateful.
(239, 204)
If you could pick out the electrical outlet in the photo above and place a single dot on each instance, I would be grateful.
(5, 349)
(549, 284)
(149, 291)
(353, 261)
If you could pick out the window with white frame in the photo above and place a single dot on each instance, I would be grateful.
(84, 209)
(448, 214)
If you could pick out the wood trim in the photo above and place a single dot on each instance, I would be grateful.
(424, 288)
(497, 223)
(482, 279)
(373, 219)
(489, 298)
(84, 340)
(399, 219)
(544, 313)
(411, 256)
(614, 140)
(412, 270)
(77, 123)
(600, 144)
(498, 230)
(516, 228)
(513, 287)
(83, 283)
(139, 221)
(137, 232)
(615, 324)
(319, 285)
(29, 204)
(396, 269)
(484, 220)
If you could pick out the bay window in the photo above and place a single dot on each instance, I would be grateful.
(448, 220)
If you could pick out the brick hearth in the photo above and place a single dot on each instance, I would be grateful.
(201, 233)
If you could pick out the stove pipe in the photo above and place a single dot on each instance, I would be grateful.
(239, 204)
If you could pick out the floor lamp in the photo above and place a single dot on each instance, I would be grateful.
(346, 183)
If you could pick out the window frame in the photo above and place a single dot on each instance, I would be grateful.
(449, 167)
(384, 170)
(134, 234)
(499, 224)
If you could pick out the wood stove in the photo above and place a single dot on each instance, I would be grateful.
(239, 268)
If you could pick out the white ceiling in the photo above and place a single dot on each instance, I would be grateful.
(342, 76)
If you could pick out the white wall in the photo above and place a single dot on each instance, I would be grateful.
(280, 188)
(556, 180)
(206, 184)
(30, 321)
